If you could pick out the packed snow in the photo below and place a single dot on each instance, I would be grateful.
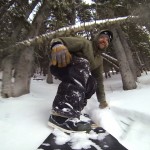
(23, 120)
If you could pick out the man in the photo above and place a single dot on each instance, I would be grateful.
(78, 63)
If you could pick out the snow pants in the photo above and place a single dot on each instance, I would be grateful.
(76, 87)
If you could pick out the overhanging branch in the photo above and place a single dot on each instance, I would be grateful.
(62, 31)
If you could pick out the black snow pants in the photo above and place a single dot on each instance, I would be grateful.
(76, 87)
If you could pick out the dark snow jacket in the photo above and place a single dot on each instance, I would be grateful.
(84, 48)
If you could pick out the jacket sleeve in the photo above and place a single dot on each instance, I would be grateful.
(98, 74)
(55, 41)
(78, 45)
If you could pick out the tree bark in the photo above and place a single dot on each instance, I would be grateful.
(126, 73)
(23, 73)
(49, 76)
(7, 66)
(25, 63)
(7, 84)
(127, 52)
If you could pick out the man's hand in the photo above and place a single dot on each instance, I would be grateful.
(60, 55)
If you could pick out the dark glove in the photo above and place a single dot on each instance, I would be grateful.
(60, 55)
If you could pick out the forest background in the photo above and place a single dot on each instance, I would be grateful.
(27, 27)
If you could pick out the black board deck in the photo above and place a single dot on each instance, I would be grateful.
(98, 139)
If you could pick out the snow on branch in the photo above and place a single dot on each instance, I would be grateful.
(60, 32)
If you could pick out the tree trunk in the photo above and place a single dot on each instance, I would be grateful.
(7, 84)
(25, 63)
(23, 73)
(7, 66)
(127, 51)
(126, 73)
(49, 76)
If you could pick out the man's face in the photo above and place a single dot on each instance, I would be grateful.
(103, 41)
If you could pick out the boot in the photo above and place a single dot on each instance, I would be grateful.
(69, 125)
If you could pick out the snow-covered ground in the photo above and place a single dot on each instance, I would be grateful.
(23, 120)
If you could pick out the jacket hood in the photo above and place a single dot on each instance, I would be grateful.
(95, 40)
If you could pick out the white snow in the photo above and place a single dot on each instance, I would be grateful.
(23, 120)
